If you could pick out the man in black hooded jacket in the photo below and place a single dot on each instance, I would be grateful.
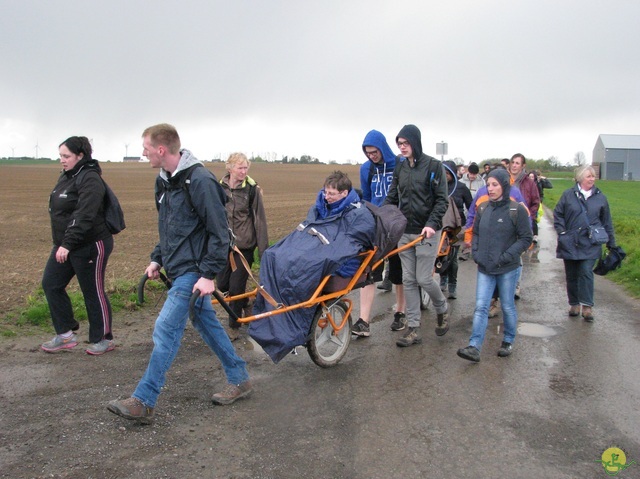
(419, 189)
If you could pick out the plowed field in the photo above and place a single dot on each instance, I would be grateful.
(25, 234)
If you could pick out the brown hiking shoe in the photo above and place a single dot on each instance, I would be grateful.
(133, 409)
(412, 336)
(232, 392)
(587, 313)
(574, 310)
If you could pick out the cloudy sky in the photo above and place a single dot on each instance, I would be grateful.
(294, 77)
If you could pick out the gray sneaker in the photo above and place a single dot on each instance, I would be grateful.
(101, 347)
(58, 343)
(386, 284)
(412, 336)
(232, 393)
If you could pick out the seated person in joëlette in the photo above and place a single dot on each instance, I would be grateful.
(337, 229)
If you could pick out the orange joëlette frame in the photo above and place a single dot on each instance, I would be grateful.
(317, 297)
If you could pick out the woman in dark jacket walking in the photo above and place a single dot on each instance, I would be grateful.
(578, 208)
(81, 247)
(501, 233)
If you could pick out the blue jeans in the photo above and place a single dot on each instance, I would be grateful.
(168, 333)
(486, 283)
(417, 271)
(579, 276)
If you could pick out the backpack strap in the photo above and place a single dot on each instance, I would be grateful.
(252, 196)
(184, 182)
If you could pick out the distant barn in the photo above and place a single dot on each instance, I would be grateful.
(618, 157)
(131, 159)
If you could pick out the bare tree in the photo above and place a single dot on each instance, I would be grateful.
(579, 159)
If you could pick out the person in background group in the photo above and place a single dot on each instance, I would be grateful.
(419, 189)
(472, 179)
(248, 222)
(462, 198)
(542, 182)
(81, 247)
(461, 171)
(193, 247)
(486, 169)
(580, 206)
(498, 244)
(376, 175)
(505, 163)
(529, 189)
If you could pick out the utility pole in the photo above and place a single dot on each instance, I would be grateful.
(37, 147)
(126, 150)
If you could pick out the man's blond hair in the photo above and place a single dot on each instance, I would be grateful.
(163, 134)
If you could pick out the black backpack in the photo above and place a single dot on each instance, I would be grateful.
(390, 225)
(113, 214)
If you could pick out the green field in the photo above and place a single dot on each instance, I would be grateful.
(624, 201)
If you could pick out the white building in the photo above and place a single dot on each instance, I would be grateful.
(618, 157)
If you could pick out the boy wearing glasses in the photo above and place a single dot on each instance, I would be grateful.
(419, 189)
(376, 175)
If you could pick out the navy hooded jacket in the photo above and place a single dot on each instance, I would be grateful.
(497, 243)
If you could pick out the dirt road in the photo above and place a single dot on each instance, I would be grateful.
(566, 394)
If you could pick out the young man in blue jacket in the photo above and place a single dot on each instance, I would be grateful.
(376, 175)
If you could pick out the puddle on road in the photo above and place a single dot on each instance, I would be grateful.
(536, 330)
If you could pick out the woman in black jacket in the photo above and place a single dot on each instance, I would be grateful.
(81, 247)
(501, 233)
(578, 208)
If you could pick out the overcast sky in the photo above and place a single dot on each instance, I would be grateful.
(294, 77)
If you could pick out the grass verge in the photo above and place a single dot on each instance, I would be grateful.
(35, 317)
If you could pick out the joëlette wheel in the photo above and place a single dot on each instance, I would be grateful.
(326, 346)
